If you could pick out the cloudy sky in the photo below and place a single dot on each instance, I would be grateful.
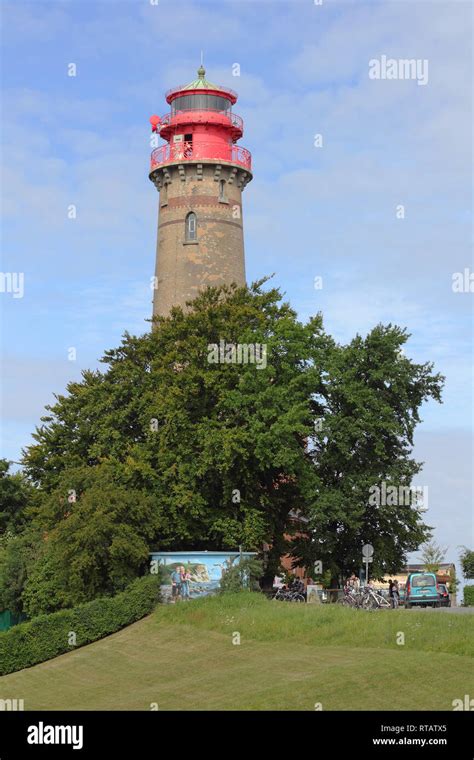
(328, 211)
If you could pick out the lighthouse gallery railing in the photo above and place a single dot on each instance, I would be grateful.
(234, 118)
(185, 151)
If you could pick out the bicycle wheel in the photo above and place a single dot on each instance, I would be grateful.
(380, 601)
(347, 601)
(368, 602)
(297, 598)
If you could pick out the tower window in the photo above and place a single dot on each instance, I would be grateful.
(222, 197)
(191, 228)
(188, 146)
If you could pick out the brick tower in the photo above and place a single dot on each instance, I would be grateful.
(200, 173)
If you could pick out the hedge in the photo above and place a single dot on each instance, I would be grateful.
(469, 596)
(47, 636)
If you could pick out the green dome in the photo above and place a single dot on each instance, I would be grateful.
(201, 83)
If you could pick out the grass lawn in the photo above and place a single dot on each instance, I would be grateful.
(290, 658)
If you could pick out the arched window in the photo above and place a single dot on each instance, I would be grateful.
(222, 197)
(191, 227)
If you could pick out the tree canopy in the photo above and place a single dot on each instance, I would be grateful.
(433, 556)
(467, 562)
(16, 494)
(167, 449)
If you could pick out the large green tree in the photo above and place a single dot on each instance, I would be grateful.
(370, 404)
(222, 454)
(220, 448)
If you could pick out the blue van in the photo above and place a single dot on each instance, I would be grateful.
(421, 590)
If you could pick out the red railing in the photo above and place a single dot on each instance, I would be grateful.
(221, 90)
(185, 151)
(235, 120)
(242, 156)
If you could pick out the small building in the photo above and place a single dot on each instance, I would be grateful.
(286, 560)
(204, 569)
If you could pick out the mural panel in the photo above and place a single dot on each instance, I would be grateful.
(188, 575)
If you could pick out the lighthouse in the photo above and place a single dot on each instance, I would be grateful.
(200, 173)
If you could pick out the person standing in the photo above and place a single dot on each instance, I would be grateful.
(395, 595)
(390, 591)
(354, 582)
(185, 578)
(176, 584)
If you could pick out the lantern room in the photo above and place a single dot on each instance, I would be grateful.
(200, 126)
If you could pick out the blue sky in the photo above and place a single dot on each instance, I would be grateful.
(327, 211)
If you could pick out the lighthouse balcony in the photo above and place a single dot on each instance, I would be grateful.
(186, 151)
(208, 116)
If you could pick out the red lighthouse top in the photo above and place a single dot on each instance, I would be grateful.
(201, 84)
(200, 127)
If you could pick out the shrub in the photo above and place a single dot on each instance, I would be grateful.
(243, 574)
(469, 596)
(47, 636)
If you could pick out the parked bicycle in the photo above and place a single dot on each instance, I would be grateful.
(373, 600)
(292, 593)
(350, 598)
(365, 598)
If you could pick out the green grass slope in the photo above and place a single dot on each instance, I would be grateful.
(290, 657)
